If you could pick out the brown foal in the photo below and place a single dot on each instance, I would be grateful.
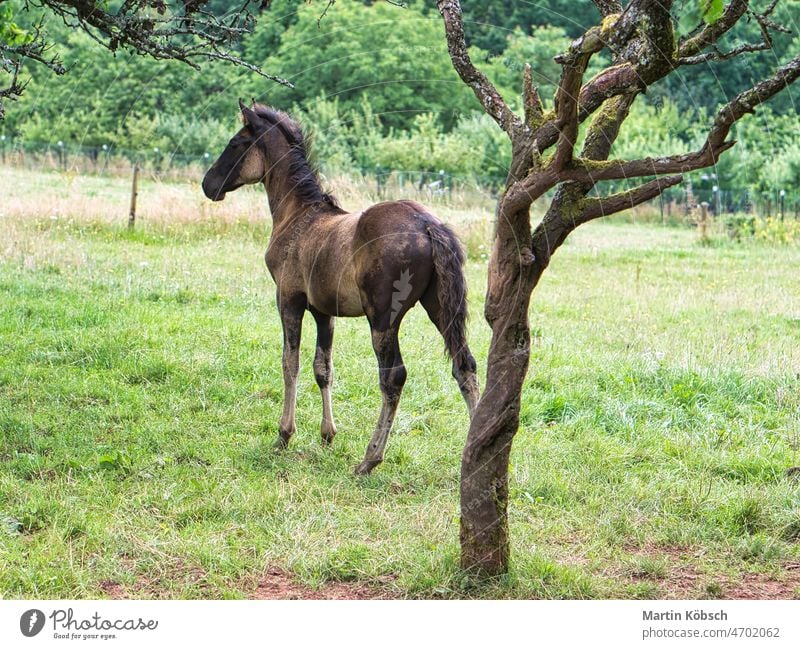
(377, 263)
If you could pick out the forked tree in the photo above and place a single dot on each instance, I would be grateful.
(546, 156)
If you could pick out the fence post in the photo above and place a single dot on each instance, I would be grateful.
(704, 222)
(62, 155)
(134, 191)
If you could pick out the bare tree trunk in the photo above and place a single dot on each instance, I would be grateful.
(513, 273)
(484, 508)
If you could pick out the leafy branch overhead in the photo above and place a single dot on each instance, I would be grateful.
(187, 31)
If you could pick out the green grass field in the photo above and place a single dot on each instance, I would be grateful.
(140, 390)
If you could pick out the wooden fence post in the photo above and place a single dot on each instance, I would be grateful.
(134, 191)
(704, 222)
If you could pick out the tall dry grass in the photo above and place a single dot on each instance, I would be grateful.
(54, 199)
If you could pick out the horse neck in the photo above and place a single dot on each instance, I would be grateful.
(285, 204)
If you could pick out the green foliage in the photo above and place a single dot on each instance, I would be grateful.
(707, 85)
(537, 48)
(397, 57)
(353, 141)
(115, 460)
(376, 86)
(767, 153)
(711, 10)
(698, 12)
(488, 24)
(775, 230)
(10, 32)
(652, 131)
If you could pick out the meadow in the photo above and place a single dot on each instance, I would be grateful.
(140, 391)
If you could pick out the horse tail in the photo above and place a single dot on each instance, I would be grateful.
(451, 291)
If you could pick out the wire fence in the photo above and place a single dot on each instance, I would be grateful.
(676, 203)
(102, 159)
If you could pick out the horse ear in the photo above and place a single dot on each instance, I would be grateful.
(249, 116)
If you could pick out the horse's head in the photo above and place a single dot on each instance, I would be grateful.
(244, 161)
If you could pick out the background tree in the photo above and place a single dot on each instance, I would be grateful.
(645, 49)
(397, 59)
(365, 102)
(489, 24)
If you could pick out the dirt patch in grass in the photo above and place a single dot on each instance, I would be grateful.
(161, 585)
(279, 584)
(113, 590)
(760, 586)
(683, 578)
(275, 584)
(673, 569)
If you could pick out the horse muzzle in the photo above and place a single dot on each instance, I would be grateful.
(212, 190)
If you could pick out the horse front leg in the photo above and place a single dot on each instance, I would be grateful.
(323, 372)
(291, 310)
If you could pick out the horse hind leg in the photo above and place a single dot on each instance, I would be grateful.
(323, 372)
(388, 290)
(392, 374)
(464, 366)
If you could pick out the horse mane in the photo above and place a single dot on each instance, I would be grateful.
(303, 171)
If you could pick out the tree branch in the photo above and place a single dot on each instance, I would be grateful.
(710, 34)
(181, 31)
(605, 205)
(745, 102)
(689, 51)
(608, 7)
(597, 144)
(14, 88)
(717, 55)
(605, 126)
(558, 221)
(766, 24)
(573, 64)
(531, 102)
(484, 90)
(643, 41)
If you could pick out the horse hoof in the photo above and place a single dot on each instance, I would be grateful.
(365, 468)
(281, 444)
(327, 437)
